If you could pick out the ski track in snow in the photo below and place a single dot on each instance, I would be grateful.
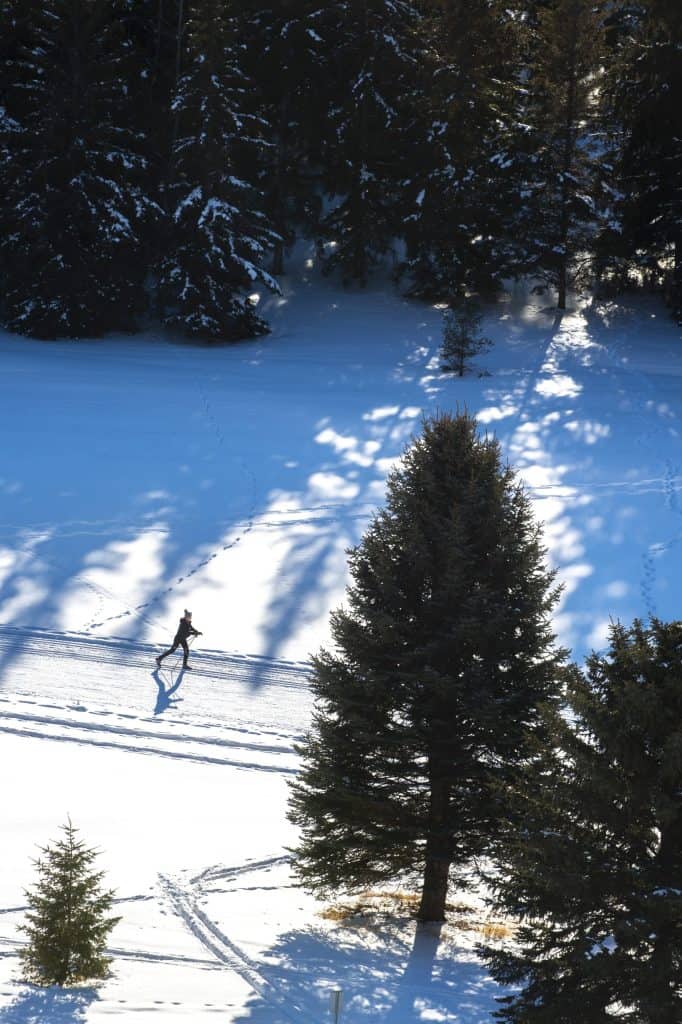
(53, 714)
(76, 688)
(218, 872)
(256, 730)
(227, 952)
(144, 956)
(185, 900)
(216, 432)
(112, 651)
(650, 436)
(226, 726)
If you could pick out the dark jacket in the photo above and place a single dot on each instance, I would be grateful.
(185, 629)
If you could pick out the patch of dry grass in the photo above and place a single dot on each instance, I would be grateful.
(497, 930)
(340, 912)
(461, 916)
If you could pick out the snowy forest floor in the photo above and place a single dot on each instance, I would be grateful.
(140, 476)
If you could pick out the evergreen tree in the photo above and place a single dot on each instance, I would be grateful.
(559, 149)
(74, 212)
(219, 234)
(443, 658)
(644, 88)
(461, 187)
(461, 337)
(15, 20)
(154, 30)
(68, 916)
(370, 132)
(594, 869)
(284, 53)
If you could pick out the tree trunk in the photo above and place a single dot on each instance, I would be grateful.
(278, 191)
(157, 45)
(561, 302)
(567, 165)
(665, 1005)
(357, 226)
(677, 280)
(438, 852)
(178, 41)
(278, 258)
(435, 888)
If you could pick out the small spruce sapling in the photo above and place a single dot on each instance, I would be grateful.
(68, 916)
(461, 337)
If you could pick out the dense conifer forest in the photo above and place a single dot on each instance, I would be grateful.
(159, 157)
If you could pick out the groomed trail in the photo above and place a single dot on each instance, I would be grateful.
(166, 771)
(236, 710)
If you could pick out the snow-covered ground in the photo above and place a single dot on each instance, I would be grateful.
(181, 781)
(140, 476)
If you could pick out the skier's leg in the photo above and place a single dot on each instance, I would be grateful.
(186, 651)
(166, 653)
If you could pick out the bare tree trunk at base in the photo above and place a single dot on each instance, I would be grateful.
(435, 889)
(561, 303)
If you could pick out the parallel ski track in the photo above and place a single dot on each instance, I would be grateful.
(57, 717)
(219, 872)
(294, 1003)
(31, 718)
(224, 950)
(177, 755)
(113, 651)
(237, 724)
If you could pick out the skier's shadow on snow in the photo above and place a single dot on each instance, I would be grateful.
(165, 692)
(53, 1005)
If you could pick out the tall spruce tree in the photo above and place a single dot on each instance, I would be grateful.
(154, 30)
(462, 185)
(219, 234)
(284, 53)
(15, 20)
(370, 128)
(443, 658)
(560, 141)
(68, 916)
(644, 89)
(75, 210)
(157, 28)
(593, 860)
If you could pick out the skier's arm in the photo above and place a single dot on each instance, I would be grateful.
(195, 632)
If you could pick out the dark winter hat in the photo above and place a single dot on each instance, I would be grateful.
(188, 615)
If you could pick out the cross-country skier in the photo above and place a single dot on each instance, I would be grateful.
(185, 629)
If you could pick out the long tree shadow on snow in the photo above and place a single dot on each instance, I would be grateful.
(309, 559)
(384, 982)
(200, 478)
(200, 487)
(49, 1006)
(200, 496)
